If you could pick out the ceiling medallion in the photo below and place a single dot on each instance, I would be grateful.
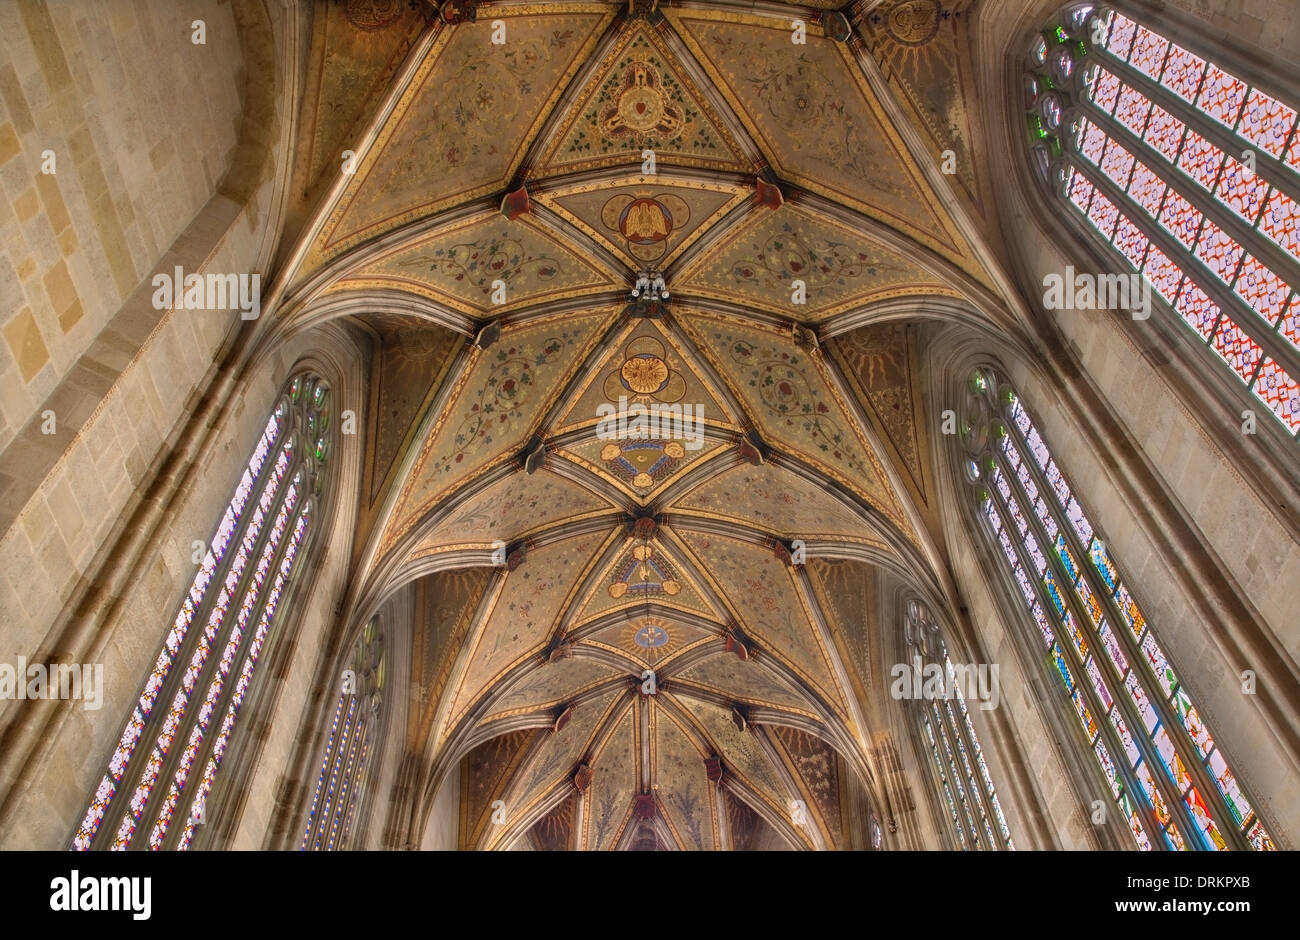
(643, 222)
(643, 574)
(651, 636)
(642, 463)
(371, 15)
(645, 374)
(641, 108)
(913, 22)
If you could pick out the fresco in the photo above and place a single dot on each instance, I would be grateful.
(760, 589)
(647, 223)
(744, 682)
(793, 404)
(615, 782)
(815, 117)
(509, 508)
(408, 366)
(840, 269)
(550, 684)
(468, 265)
(525, 615)
(923, 49)
(462, 124)
(499, 399)
(772, 499)
(640, 100)
(877, 360)
(682, 786)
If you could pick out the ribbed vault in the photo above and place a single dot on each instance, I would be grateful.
(497, 204)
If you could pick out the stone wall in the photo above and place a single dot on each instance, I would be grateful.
(142, 124)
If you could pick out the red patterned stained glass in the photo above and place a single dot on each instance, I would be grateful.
(1122, 30)
(1148, 52)
(1105, 89)
(1197, 308)
(1146, 188)
(1281, 222)
(1237, 349)
(1280, 392)
(1079, 189)
(1266, 122)
(1222, 95)
(1132, 109)
(1179, 218)
(1117, 163)
(1103, 214)
(1163, 274)
(1241, 191)
(1092, 141)
(1200, 159)
(1266, 293)
(1290, 325)
(1165, 132)
(1293, 153)
(1131, 241)
(1183, 72)
(1219, 251)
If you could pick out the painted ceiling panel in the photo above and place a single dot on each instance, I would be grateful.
(640, 100)
(525, 616)
(616, 780)
(811, 110)
(791, 399)
(840, 269)
(459, 129)
(501, 396)
(489, 257)
(682, 790)
(508, 509)
(549, 685)
(774, 500)
(760, 589)
(648, 221)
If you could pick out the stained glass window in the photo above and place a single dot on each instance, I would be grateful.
(351, 748)
(184, 717)
(948, 735)
(1171, 157)
(1167, 776)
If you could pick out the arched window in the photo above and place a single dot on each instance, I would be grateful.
(351, 748)
(945, 731)
(235, 596)
(1134, 710)
(1189, 173)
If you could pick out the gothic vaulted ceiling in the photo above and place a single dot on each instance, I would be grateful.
(482, 209)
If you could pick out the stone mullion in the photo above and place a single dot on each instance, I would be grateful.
(1273, 170)
(965, 733)
(1260, 330)
(1105, 729)
(1182, 742)
(1248, 236)
(334, 764)
(132, 774)
(352, 772)
(172, 762)
(971, 807)
(933, 769)
(1119, 694)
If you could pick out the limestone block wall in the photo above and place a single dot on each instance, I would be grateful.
(142, 124)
